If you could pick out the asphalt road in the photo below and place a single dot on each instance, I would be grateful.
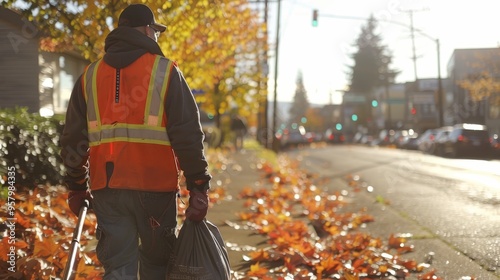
(452, 201)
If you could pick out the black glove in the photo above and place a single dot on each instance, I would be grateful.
(76, 200)
(198, 205)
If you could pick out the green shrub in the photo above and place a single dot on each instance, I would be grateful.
(30, 143)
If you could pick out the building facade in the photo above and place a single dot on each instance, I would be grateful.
(469, 64)
(19, 66)
(39, 80)
(389, 105)
(58, 74)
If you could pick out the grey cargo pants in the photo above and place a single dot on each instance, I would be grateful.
(136, 232)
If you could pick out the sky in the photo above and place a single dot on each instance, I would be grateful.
(322, 53)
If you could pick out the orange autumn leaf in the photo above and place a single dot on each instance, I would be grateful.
(358, 262)
(62, 259)
(304, 247)
(260, 255)
(294, 259)
(245, 216)
(328, 266)
(27, 206)
(396, 242)
(367, 218)
(351, 276)
(257, 270)
(87, 271)
(410, 264)
(431, 275)
(21, 244)
(246, 192)
(45, 248)
(5, 249)
(22, 220)
(405, 249)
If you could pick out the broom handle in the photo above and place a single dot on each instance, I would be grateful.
(69, 269)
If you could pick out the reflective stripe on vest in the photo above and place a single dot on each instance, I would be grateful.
(152, 131)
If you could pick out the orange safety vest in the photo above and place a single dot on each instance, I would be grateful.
(127, 125)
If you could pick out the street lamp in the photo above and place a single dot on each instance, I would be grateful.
(440, 82)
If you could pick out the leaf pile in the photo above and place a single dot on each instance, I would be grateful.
(311, 238)
(44, 227)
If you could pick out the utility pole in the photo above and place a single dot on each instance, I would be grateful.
(440, 94)
(413, 45)
(440, 88)
(266, 102)
(412, 35)
(275, 102)
(263, 132)
(262, 118)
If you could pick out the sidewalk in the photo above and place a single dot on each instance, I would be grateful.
(241, 172)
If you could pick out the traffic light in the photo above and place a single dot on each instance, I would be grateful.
(354, 117)
(315, 18)
(338, 126)
(374, 103)
(413, 111)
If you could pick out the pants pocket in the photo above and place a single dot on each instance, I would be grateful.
(170, 240)
(101, 249)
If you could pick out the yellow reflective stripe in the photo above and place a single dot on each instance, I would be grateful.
(166, 82)
(125, 139)
(87, 80)
(90, 89)
(94, 93)
(140, 134)
(151, 89)
(129, 126)
(153, 113)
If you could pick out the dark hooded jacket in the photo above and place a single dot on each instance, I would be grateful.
(123, 46)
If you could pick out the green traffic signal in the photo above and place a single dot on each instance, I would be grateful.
(374, 103)
(354, 117)
(315, 18)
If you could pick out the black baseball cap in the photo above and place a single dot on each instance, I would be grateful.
(139, 15)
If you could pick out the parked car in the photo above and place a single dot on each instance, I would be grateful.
(495, 144)
(384, 138)
(468, 140)
(367, 139)
(436, 147)
(426, 139)
(409, 142)
(398, 136)
(313, 137)
(334, 136)
(293, 137)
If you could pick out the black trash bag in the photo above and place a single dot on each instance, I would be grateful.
(199, 254)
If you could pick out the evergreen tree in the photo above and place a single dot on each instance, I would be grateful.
(300, 103)
(370, 70)
(371, 62)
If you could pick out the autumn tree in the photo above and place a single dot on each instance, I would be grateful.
(371, 67)
(300, 103)
(315, 120)
(216, 43)
(228, 43)
(485, 83)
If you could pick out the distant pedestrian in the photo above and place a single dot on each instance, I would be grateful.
(132, 124)
(239, 129)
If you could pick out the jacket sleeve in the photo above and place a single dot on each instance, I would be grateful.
(74, 140)
(184, 129)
